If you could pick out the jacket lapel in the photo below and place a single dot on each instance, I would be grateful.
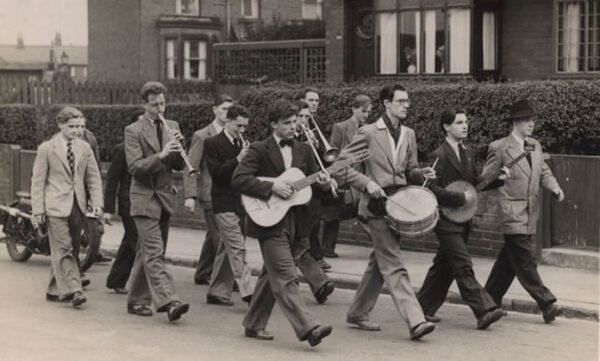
(296, 155)
(382, 138)
(453, 159)
(351, 130)
(514, 150)
(536, 162)
(149, 133)
(275, 155)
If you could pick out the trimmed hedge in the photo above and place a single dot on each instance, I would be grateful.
(569, 114)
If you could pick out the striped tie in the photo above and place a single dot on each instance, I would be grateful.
(71, 157)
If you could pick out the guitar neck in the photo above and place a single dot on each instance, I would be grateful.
(305, 182)
(486, 182)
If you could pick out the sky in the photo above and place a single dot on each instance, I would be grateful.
(39, 20)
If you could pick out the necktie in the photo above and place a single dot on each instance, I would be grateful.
(284, 142)
(237, 143)
(71, 157)
(527, 147)
(158, 126)
(464, 161)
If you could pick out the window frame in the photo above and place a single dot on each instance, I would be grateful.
(199, 59)
(251, 16)
(179, 41)
(178, 7)
(578, 74)
(319, 3)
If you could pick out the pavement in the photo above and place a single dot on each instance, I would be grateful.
(577, 290)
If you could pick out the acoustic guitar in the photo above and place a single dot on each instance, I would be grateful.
(466, 212)
(267, 213)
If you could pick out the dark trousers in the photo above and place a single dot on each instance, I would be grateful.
(121, 268)
(453, 262)
(312, 272)
(517, 258)
(278, 282)
(204, 266)
(314, 223)
(330, 235)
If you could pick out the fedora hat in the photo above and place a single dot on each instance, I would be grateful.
(521, 110)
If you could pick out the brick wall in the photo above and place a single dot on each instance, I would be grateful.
(527, 40)
(335, 43)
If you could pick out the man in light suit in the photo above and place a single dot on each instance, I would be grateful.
(341, 136)
(152, 153)
(393, 162)
(64, 168)
(519, 211)
(197, 189)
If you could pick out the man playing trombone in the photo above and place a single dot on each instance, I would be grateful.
(153, 150)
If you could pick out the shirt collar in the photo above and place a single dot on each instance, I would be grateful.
(231, 139)
(217, 126)
(277, 139)
(519, 139)
(453, 143)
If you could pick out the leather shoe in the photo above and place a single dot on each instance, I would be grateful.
(176, 309)
(330, 254)
(258, 334)
(421, 330)
(550, 312)
(201, 281)
(120, 290)
(85, 282)
(235, 288)
(488, 318)
(78, 299)
(318, 334)
(432, 318)
(140, 310)
(324, 265)
(324, 292)
(55, 298)
(100, 258)
(365, 325)
(247, 299)
(216, 300)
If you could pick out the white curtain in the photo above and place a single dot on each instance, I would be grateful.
(388, 30)
(460, 40)
(202, 63)
(489, 41)
(171, 59)
(571, 37)
(186, 60)
(429, 27)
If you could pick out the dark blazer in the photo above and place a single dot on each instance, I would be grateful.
(449, 169)
(264, 160)
(152, 186)
(118, 183)
(221, 160)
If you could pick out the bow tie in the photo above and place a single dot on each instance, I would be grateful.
(284, 142)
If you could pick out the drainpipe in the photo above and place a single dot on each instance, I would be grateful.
(228, 16)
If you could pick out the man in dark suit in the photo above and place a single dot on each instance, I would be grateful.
(152, 153)
(519, 211)
(452, 261)
(197, 189)
(118, 183)
(341, 136)
(223, 152)
(278, 281)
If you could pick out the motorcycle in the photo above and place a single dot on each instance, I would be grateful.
(25, 237)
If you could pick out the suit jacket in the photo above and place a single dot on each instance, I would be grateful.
(385, 166)
(343, 132)
(450, 169)
(89, 137)
(152, 183)
(519, 197)
(118, 183)
(221, 159)
(199, 186)
(53, 188)
(264, 159)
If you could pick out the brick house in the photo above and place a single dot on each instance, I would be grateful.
(514, 39)
(172, 39)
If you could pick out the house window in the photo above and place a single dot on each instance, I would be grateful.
(489, 40)
(85, 71)
(72, 71)
(250, 9)
(172, 72)
(194, 60)
(414, 40)
(187, 7)
(312, 9)
(578, 38)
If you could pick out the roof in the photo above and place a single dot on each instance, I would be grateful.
(36, 56)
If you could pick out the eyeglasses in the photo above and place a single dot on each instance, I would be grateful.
(402, 101)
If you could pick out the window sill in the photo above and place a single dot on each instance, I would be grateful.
(574, 76)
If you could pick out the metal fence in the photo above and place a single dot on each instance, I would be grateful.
(292, 61)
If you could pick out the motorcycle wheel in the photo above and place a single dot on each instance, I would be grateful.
(16, 251)
(90, 243)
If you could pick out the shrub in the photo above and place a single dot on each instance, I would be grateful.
(19, 124)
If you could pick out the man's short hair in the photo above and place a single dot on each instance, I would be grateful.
(360, 101)
(300, 104)
(152, 88)
(303, 92)
(448, 116)
(222, 98)
(236, 111)
(67, 113)
(280, 110)
(387, 93)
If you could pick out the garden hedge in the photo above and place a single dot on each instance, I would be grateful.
(568, 121)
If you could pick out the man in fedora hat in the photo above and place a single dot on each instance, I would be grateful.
(519, 210)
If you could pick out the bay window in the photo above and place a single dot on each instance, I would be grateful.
(578, 36)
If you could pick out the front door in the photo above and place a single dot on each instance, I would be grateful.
(361, 32)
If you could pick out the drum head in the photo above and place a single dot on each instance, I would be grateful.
(411, 204)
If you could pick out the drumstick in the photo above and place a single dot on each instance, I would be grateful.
(432, 167)
(399, 205)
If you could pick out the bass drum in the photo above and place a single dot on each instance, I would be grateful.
(412, 212)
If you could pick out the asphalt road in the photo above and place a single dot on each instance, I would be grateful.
(33, 329)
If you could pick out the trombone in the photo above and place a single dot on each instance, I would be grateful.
(245, 142)
(310, 136)
(191, 170)
(331, 153)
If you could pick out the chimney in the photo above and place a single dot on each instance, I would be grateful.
(58, 39)
(20, 42)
